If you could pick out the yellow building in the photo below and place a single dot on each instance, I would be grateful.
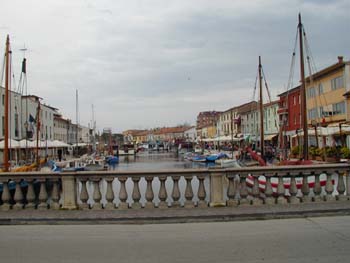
(325, 91)
(326, 97)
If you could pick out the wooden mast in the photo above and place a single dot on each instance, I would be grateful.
(303, 93)
(261, 107)
(37, 134)
(6, 124)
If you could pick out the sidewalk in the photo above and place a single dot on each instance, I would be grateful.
(175, 215)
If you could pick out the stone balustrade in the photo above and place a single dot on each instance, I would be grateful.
(170, 189)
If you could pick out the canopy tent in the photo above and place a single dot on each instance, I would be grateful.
(13, 144)
(227, 138)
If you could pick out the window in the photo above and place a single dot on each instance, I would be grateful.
(337, 83)
(16, 125)
(311, 92)
(339, 108)
(294, 100)
(312, 114)
(320, 89)
(3, 99)
(3, 125)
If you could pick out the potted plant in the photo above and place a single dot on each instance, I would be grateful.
(319, 154)
(332, 154)
(345, 153)
(312, 152)
(295, 153)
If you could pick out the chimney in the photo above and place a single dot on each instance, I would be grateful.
(340, 59)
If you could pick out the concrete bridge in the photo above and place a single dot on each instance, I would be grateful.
(175, 195)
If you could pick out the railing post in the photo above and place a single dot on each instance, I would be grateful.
(329, 188)
(109, 194)
(162, 195)
(347, 178)
(136, 196)
(84, 194)
(123, 194)
(231, 191)
(269, 200)
(201, 192)
(176, 191)
(317, 188)
(341, 187)
(216, 189)
(188, 192)
(18, 196)
(149, 192)
(5, 196)
(305, 189)
(69, 192)
(256, 191)
(293, 190)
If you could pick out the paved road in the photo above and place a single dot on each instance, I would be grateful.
(325, 239)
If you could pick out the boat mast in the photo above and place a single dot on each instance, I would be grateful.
(303, 93)
(37, 133)
(77, 120)
(261, 111)
(7, 81)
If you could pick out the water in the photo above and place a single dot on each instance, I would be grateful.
(157, 161)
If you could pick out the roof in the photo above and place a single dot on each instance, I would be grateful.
(326, 71)
(296, 89)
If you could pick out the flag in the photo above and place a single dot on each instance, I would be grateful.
(31, 118)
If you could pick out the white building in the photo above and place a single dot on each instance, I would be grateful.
(190, 134)
(60, 128)
(29, 118)
(14, 114)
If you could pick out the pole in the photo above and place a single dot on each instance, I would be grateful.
(303, 93)
(6, 119)
(76, 117)
(37, 134)
(261, 112)
(232, 132)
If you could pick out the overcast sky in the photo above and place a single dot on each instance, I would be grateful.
(144, 64)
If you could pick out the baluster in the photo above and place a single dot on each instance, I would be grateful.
(96, 195)
(136, 196)
(109, 194)
(12, 188)
(281, 191)
(149, 192)
(18, 196)
(317, 188)
(341, 187)
(5, 197)
(188, 192)
(231, 191)
(123, 195)
(84, 197)
(243, 191)
(329, 188)
(305, 189)
(293, 190)
(55, 195)
(256, 191)
(201, 192)
(162, 193)
(269, 200)
(42, 195)
(176, 192)
(30, 195)
(347, 180)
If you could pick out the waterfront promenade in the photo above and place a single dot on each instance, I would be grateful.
(325, 239)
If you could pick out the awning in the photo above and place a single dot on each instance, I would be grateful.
(269, 137)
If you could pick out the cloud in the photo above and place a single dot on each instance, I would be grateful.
(156, 63)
